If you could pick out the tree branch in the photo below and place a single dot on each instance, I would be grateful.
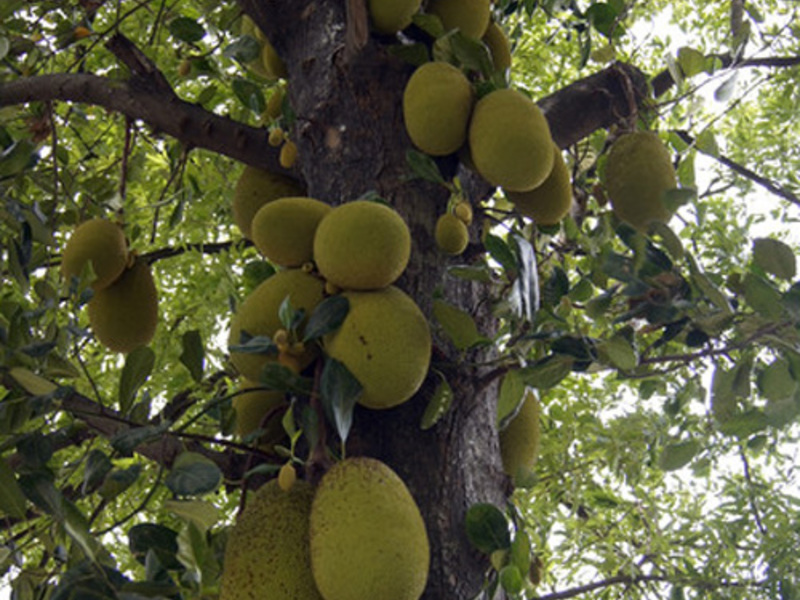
(161, 109)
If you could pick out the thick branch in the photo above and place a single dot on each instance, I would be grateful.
(161, 109)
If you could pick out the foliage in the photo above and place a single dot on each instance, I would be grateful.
(668, 364)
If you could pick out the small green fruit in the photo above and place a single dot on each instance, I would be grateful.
(101, 243)
(519, 441)
(283, 230)
(367, 536)
(452, 235)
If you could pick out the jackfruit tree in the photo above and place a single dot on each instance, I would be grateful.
(399, 299)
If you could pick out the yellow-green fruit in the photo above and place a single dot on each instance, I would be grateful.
(267, 554)
(259, 408)
(385, 342)
(362, 245)
(124, 315)
(510, 141)
(367, 536)
(470, 16)
(258, 316)
(272, 63)
(638, 172)
(275, 104)
(283, 230)
(550, 202)
(452, 235)
(254, 189)
(519, 441)
(437, 102)
(100, 242)
(288, 154)
(497, 41)
(391, 16)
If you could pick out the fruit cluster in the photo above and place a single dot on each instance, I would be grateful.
(123, 309)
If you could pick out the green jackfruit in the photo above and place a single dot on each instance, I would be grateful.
(258, 316)
(267, 555)
(549, 202)
(100, 242)
(385, 342)
(637, 174)
(452, 235)
(124, 315)
(259, 408)
(367, 536)
(510, 141)
(519, 441)
(362, 245)
(469, 16)
(497, 41)
(254, 189)
(437, 102)
(283, 230)
(391, 16)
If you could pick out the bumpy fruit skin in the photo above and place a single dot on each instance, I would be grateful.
(101, 242)
(252, 405)
(510, 141)
(470, 16)
(258, 315)
(368, 539)
(550, 202)
(452, 235)
(124, 315)
(283, 230)
(391, 16)
(288, 154)
(437, 102)
(519, 441)
(254, 189)
(638, 172)
(267, 554)
(362, 245)
(497, 41)
(385, 342)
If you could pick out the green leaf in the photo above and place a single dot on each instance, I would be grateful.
(414, 54)
(746, 424)
(457, 324)
(127, 440)
(440, 402)
(499, 251)
(423, 166)
(725, 91)
(707, 287)
(187, 29)
(200, 512)
(39, 488)
(12, 499)
(470, 53)
(548, 372)
(340, 391)
(77, 527)
(487, 528)
(244, 50)
(119, 480)
(150, 537)
(275, 376)
(603, 17)
(327, 316)
(678, 455)
(707, 143)
(520, 555)
(249, 94)
(138, 366)
(193, 353)
(775, 258)
(691, 61)
(97, 467)
(776, 381)
(762, 296)
(193, 474)
(509, 400)
(618, 352)
(430, 24)
(17, 157)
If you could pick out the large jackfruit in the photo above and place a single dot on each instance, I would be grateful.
(549, 202)
(499, 46)
(362, 245)
(124, 315)
(267, 555)
(519, 441)
(385, 342)
(638, 172)
(283, 230)
(437, 102)
(258, 316)
(367, 536)
(256, 408)
(509, 140)
(254, 189)
(101, 243)
(471, 17)
(391, 16)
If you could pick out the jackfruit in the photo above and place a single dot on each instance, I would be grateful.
(259, 408)
(362, 245)
(471, 17)
(385, 342)
(452, 235)
(638, 172)
(267, 554)
(510, 141)
(549, 202)
(100, 242)
(288, 154)
(437, 102)
(258, 316)
(124, 315)
(519, 441)
(367, 537)
(391, 16)
(283, 230)
(499, 46)
(273, 65)
(254, 189)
